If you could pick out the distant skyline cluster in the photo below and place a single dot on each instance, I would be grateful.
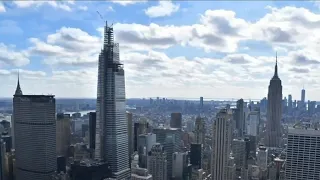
(169, 48)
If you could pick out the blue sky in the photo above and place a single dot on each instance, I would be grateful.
(215, 49)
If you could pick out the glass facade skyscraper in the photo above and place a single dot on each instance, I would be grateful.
(111, 125)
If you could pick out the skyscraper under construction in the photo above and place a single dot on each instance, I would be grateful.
(111, 125)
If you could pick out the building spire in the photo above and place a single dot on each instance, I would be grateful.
(276, 67)
(18, 89)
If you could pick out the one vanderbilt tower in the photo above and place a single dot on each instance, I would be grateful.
(111, 128)
(274, 111)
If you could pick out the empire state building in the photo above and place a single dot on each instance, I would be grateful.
(274, 111)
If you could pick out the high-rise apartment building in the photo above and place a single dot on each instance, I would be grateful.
(35, 136)
(221, 142)
(201, 102)
(157, 162)
(63, 134)
(290, 103)
(303, 154)
(111, 123)
(274, 111)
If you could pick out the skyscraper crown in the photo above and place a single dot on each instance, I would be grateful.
(275, 75)
(18, 89)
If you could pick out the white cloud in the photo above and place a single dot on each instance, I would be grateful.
(110, 9)
(10, 56)
(39, 82)
(68, 46)
(56, 4)
(164, 8)
(2, 8)
(125, 3)
(83, 8)
(206, 35)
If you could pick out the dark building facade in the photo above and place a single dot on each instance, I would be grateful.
(176, 120)
(92, 129)
(61, 164)
(196, 155)
(90, 171)
(84, 129)
(8, 140)
(138, 128)
(5, 124)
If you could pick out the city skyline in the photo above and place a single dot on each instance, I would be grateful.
(169, 49)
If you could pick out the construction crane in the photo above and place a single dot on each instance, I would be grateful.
(100, 15)
(103, 18)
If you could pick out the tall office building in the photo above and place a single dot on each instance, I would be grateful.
(145, 143)
(35, 136)
(63, 134)
(240, 118)
(179, 165)
(199, 131)
(111, 123)
(92, 130)
(196, 156)
(2, 160)
(253, 121)
(140, 127)
(312, 107)
(303, 95)
(239, 152)
(157, 162)
(130, 134)
(170, 138)
(262, 157)
(284, 105)
(176, 120)
(274, 111)
(221, 142)
(290, 103)
(303, 154)
(201, 102)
